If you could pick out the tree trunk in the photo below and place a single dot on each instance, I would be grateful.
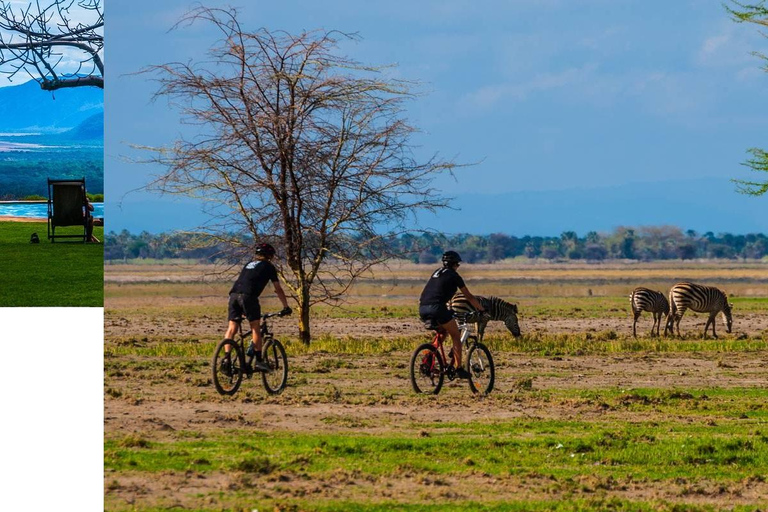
(304, 331)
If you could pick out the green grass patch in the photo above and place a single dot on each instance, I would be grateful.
(49, 274)
(596, 504)
(555, 448)
(607, 342)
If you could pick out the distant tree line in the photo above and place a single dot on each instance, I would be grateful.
(26, 174)
(642, 243)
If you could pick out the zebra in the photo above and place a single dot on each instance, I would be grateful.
(495, 308)
(643, 299)
(699, 298)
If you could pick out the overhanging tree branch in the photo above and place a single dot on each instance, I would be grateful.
(758, 15)
(38, 39)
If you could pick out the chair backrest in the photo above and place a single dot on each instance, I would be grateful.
(68, 202)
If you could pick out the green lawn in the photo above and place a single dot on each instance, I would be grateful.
(49, 274)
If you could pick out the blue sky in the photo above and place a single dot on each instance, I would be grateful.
(544, 95)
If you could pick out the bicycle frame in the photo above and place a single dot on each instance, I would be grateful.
(266, 334)
(273, 365)
(440, 334)
(263, 327)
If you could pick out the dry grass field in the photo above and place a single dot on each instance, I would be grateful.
(583, 417)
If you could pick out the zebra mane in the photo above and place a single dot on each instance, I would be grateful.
(488, 301)
(503, 302)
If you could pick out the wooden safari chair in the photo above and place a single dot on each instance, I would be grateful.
(67, 206)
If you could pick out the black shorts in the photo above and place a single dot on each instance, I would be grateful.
(241, 305)
(437, 313)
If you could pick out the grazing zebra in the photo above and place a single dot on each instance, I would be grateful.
(496, 309)
(643, 299)
(699, 298)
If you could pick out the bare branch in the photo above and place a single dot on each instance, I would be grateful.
(298, 146)
(32, 37)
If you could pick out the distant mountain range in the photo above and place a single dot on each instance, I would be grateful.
(92, 128)
(42, 137)
(707, 204)
(89, 132)
(27, 108)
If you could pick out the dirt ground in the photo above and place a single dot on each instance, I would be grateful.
(371, 395)
(747, 324)
(353, 394)
(8, 218)
(171, 406)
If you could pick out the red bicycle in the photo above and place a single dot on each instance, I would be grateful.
(429, 366)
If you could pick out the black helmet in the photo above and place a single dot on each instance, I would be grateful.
(265, 250)
(451, 258)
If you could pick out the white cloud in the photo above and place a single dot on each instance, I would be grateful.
(683, 96)
(567, 80)
(751, 74)
(712, 45)
(730, 47)
(609, 40)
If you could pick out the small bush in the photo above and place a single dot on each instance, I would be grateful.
(524, 383)
(260, 465)
(134, 442)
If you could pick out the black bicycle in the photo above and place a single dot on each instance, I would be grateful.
(231, 361)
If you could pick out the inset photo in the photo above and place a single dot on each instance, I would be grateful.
(51, 153)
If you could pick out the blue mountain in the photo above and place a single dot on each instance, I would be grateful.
(706, 204)
(91, 129)
(27, 108)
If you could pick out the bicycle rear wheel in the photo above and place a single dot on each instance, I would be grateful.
(276, 377)
(427, 370)
(227, 367)
(482, 373)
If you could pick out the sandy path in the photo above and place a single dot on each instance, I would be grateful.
(8, 218)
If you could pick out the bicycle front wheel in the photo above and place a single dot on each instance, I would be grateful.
(276, 377)
(427, 370)
(227, 367)
(481, 370)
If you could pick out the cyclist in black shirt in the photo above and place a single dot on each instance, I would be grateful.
(244, 298)
(434, 299)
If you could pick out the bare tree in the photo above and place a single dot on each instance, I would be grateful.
(756, 14)
(298, 146)
(56, 43)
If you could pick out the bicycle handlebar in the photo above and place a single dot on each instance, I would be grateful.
(264, 316)
(464, 316)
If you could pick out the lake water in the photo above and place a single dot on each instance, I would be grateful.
(37, 210)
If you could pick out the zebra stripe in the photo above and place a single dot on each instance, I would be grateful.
(497, 309)
(701, 299)
(644, 299)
